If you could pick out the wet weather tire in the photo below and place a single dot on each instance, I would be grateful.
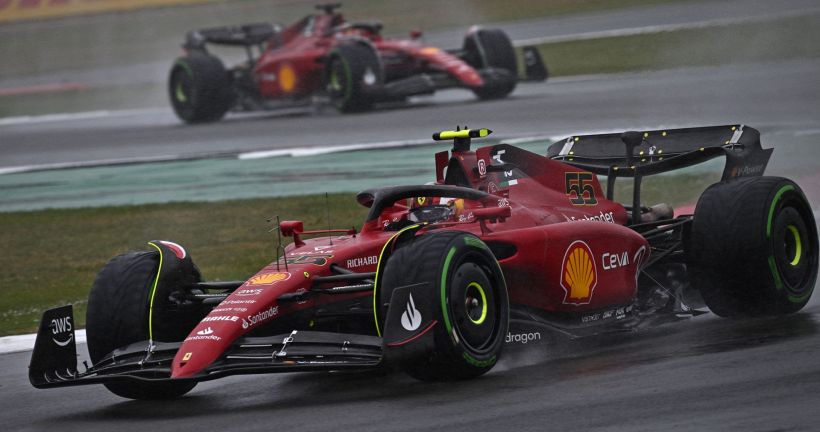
(199, 88)
(470, 298)
(354, 72)
(118, 315)
(491, 52)
(753, 249)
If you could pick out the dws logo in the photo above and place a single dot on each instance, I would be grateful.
(60, 326)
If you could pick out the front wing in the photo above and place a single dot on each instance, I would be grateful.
(54, 360)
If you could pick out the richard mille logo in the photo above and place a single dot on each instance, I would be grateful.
(411, 318)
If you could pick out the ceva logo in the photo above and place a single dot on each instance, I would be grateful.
(411, 318)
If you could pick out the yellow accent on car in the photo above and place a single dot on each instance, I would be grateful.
(153, 294)
(798, 245)
(287, 78)
(376, 279)
(464, 133)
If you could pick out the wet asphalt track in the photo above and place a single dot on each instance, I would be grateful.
(774, 95)
(701, 374)
(697, 375)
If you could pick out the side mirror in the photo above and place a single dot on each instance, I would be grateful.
(492, 214)
(293, 229)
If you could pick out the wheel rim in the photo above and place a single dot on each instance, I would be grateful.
(179, 93)
(472, 306)
(793, 255)
(476, 303)
(794, 245)
(338, 82)
(334, 84)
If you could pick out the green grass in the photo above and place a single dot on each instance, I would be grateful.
(780, 39)
(52, 256)
(673, 189)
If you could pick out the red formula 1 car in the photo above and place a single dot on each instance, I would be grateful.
(505, 245)
(351, 64)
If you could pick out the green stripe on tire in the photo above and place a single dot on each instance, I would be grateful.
(777, 196)
(444, 272)
(778, 283)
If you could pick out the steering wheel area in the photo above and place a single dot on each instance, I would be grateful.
(430, 213)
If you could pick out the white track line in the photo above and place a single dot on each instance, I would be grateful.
(102, 162)
(304, 151)
(314, 151)
(10, 344)
(85, 115)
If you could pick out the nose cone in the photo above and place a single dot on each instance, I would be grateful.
(251, 305)
(191, 359)
(206, 343)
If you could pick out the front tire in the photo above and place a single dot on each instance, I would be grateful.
(354, 72)
(471, 303)
(200, 88)
(117, 315)
(754, 249)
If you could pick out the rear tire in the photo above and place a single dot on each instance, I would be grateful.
(472, 304)
(199, 88)
(354, 72)
(491, 52)
(117, 315)
(754, 249)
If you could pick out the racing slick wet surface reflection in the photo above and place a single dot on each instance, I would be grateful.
(699, 373)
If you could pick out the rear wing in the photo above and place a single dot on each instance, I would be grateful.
(246, 35)
(638, 154)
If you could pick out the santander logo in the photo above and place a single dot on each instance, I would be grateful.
(205, 332)
(411, 318)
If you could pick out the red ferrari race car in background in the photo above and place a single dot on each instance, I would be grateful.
(507, 244)
(350, 64)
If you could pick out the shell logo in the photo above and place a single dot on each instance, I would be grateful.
(287, 78)
(579, 275)
(268, 278)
